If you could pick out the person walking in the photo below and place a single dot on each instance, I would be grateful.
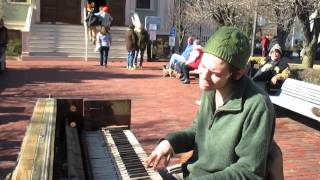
(104, 39)
(98, 4)
(265, 44)
(131, 45)
(142, 42)
(92, 22)
(105, 17)
(3, 43)
(231, 135)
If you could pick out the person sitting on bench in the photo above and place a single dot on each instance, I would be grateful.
(192, 63)
(175, 58)
(273, 70)
(232, 134)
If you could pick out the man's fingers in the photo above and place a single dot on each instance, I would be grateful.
(167, 160)
(150, 159)
(156, 162)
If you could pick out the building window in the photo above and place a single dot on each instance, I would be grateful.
(18, 1)
(143, 4)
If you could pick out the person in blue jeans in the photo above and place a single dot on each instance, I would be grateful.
(104, 39)
(131, 45)
(177, 58)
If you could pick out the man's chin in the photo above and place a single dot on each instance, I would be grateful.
(205, 88)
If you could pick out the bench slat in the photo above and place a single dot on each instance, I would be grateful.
(303, 89)
(298, 96)
(296, 105)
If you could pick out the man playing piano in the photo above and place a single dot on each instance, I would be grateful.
(232, 134)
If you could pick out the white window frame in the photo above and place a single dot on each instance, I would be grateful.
(151, 6)
(12, 2)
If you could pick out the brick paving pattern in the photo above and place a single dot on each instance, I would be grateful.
(159, 105)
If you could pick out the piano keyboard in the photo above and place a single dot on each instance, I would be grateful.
(117, 154)
(100, 158)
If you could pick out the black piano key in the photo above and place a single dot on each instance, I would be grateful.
(130, 159)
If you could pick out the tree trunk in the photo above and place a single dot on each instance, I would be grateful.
(309, 54)
(181, 33)
(282, 37)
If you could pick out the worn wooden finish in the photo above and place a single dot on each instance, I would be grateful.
(51, 148)
(35, 158)
(74, 155)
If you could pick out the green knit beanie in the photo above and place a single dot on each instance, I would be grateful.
(230, 45)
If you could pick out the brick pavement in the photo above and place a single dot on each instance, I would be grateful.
(159, 105)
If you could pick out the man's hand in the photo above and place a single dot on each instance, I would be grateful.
(163, 150)
(274, 80)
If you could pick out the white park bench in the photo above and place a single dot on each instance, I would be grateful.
(298, 96)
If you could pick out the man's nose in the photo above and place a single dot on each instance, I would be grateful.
(204, 73)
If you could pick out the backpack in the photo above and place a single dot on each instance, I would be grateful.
(93, 20)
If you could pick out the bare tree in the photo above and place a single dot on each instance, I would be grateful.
(231, 13)
(180, 20)
(1, 9)
(280, 12)
(303, 10)
(285, 13)
(188, 13)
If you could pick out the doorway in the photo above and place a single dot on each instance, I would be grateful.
(117, 11)
(61, 11)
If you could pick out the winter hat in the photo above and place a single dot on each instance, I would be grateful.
(229, 44)
(105, 9)
(89, 6)
(276, 47)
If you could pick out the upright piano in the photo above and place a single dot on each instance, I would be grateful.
(81, 139)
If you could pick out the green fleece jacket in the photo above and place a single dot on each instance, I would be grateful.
(233, 141)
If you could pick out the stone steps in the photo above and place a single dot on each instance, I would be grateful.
(69, 41)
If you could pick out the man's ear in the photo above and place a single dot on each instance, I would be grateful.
(238, 74)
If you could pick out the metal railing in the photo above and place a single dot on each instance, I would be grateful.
(203, 31)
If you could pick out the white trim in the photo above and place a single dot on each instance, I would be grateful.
(130, 10)
(38, 11)
(27, 2)
(28, 21)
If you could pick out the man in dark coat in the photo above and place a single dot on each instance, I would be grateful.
(143, 39)
(3, 43)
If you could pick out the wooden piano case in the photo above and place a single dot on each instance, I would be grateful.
(50, 147)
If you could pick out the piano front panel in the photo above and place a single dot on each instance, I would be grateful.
(101, 113)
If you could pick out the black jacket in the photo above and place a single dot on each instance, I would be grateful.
(3, 37)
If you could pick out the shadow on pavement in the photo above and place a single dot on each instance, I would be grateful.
(16, 78)
(282, 112)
